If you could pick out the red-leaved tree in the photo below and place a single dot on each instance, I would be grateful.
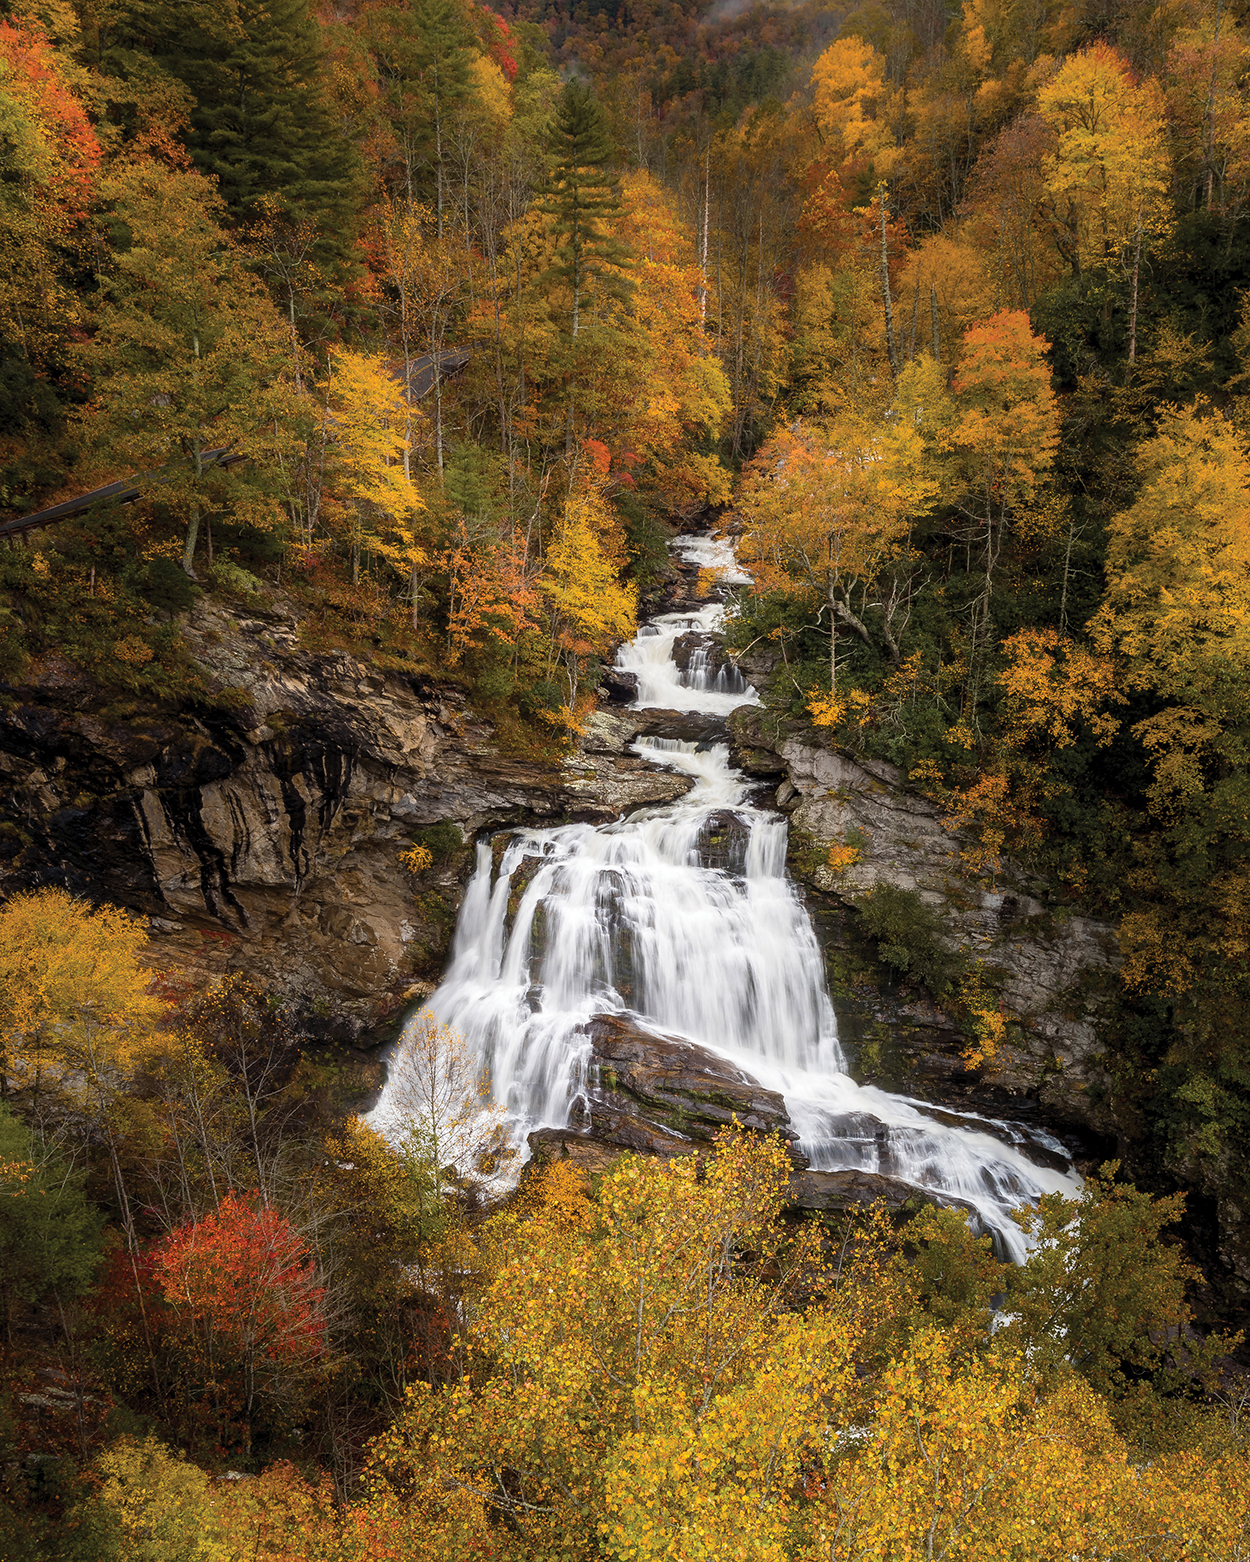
(246, 1301)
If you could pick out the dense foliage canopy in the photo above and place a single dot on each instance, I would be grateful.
(946, 308)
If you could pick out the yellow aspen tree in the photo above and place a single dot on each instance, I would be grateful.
(591, 611)
(1110, 173)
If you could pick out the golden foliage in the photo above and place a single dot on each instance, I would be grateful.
(416, 859)
(74, 998)
(1054, 686)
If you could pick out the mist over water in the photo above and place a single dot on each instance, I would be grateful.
(683, 917)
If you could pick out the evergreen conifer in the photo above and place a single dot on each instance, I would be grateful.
(582, 198)
(262, 124)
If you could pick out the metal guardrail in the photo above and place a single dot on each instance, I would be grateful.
(125, 492)
(420, 383)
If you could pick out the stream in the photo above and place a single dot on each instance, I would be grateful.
(683, 917)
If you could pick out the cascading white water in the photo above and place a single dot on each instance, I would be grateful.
(683, 916)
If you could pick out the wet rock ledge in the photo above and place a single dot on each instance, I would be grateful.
(653, 1094)
(1055, 970)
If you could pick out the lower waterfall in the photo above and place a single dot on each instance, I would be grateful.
(683, 917)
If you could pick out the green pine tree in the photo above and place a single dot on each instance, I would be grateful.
(262, 124)
(582, 198)
(50, 1233)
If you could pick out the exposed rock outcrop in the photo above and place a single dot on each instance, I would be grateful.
(639, 1080)
(261, 832)
(1052, 968)
(685, 726)
(654, 1094)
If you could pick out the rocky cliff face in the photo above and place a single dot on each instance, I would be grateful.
(262, 833)
(1053, 970)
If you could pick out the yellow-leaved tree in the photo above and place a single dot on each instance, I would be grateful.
(74, 999)
(591, 611)
(1002, 440)
(850, 100)
(659, 1372)
(1110, 174)
(355, 479)
(77, 1017)
(676, 397)
(830, 507)
(1176, 614)
(639, 1388)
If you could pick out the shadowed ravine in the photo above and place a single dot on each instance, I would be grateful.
(683, 917)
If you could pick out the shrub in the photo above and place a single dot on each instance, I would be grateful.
(909, 936)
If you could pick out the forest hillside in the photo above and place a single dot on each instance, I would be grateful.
(410, 333)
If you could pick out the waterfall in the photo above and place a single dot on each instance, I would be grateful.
(683, 917)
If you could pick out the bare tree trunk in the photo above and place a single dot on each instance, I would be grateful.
(937, 335)
(707, 202)
(915, 318)
(885, 286)
(1132, 313)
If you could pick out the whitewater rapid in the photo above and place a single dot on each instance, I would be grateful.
(683, 917)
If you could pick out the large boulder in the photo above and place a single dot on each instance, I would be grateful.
(844, 1192)
(641, 1080)
(619, 686)
(686, 726)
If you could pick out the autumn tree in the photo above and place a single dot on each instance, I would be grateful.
(608, 1328)
(367, 495)
(437, 1105)
(829, 512)
(591, 612)
(1176, 612)
(1003, 440)
(427, 281)
(1206, 99)
(74, 993)
(52, 166)
(1109, 174)
(189, 358)
(246, 1300)
(851, 100)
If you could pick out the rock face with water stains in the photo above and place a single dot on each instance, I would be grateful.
(261, 832)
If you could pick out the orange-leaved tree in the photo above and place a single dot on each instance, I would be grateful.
(52, 162)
